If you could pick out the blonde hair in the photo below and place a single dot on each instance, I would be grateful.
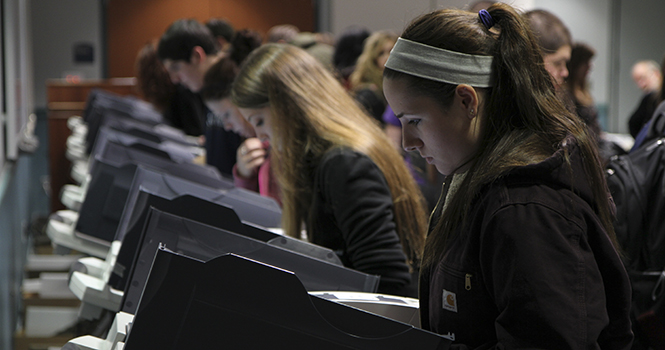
(367, 71)
(311, 114)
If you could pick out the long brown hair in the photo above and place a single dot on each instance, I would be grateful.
(581, 54)
(367, 71)
(311, 114)
(152, 79)
(524, 121)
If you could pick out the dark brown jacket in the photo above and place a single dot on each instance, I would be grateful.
(535, 268)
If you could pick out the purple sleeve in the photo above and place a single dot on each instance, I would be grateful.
(390, 118)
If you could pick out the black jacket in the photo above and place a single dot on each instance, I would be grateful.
(187, 111)
(535, 269)
(352, 213)
(643, 113)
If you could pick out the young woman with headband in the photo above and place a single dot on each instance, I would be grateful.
(341, 180)
(521, 251)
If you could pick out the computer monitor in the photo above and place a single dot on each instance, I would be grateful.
(100, 103)
(155, 133)
(111, 177)
(99, 99)
(237, 210)
(239, 303)
(117, 153)
(131, 228)
(175, 152)
(205, 242)
(208, 213)
(106, 196)
(131, 127)
(249, 206)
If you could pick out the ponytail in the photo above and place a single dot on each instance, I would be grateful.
(524, 121)
(522, 76)
(523, 90)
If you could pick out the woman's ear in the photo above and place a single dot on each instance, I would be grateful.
(468, 97)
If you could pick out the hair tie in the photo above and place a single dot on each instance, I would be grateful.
(486, 18)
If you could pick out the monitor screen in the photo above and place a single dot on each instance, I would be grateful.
(251, 212)
(205, 242)
(100, 102)
(156, 133)
(112, 174)
(173, 151)
(106, 196)
(117, 153)
(244, 304)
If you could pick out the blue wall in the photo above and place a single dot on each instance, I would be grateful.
(22, 199)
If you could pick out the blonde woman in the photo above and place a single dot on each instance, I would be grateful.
(366, 81)
(339, 175)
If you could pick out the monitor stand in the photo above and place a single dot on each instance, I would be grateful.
(114, 340)
(61, 231)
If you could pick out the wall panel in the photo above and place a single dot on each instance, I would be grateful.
(261, 14)
(133, 23)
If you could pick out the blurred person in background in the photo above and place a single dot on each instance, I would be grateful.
(648, 77)
(348, 48)
(187, 49)
(222, 30)
(366, 81)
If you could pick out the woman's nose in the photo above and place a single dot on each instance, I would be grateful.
(409, 142)
(410, 148)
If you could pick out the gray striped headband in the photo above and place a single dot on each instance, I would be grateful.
(442, 65)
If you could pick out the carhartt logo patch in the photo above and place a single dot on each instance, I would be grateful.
(449, 301)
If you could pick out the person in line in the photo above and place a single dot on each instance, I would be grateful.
(178, 105)
(282, 33)
(554, 40)
(222, 30)
(649, 78)
(651, 104)
(349, 46)
(321, 50)
(577, 91)
(646, 75)
(577, 86)
(252, 170)
(521, 250)
(339, 176)
(187, 49)
(153, 81)
(366, 80)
